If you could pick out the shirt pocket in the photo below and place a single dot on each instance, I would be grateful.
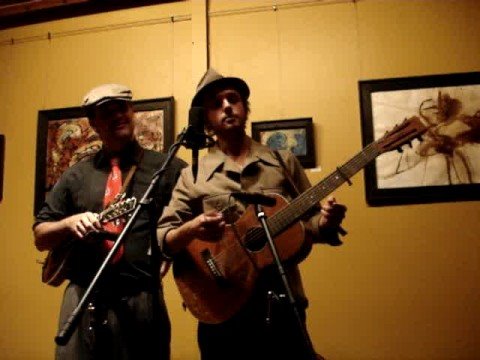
(276, 190)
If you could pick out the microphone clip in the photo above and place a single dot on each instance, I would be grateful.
(196, 140)
(255, 198)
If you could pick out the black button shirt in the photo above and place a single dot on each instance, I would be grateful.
(81, 188)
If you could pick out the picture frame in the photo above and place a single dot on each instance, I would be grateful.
(65, 137)
(295, 135)
(445, 165)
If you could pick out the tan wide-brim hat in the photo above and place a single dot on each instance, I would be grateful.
(212, 80)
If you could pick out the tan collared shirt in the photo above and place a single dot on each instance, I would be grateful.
(218, 176)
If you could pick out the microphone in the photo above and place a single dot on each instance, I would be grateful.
(254, 198)
(196, 137)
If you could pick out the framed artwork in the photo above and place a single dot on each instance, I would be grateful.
(2, 160)
(65, 137)
(445, 165)
(295, 135)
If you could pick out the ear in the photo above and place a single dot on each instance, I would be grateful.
(93, 122)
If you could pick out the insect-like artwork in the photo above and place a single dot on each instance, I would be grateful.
(450, 151)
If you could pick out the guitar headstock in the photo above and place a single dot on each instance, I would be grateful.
(401, 134)
(118, 209)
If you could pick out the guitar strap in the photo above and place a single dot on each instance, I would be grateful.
(293, 188)
(129, 177)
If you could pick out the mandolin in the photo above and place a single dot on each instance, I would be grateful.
(216, 278)
(56, 265)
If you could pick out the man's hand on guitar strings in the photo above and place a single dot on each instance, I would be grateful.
(332, 214)
(208, 226)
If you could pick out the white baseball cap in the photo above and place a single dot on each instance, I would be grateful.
(106, 92)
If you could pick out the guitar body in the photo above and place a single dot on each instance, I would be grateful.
(216, 278)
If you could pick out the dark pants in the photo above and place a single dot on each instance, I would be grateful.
(134, 326)
(248, 336)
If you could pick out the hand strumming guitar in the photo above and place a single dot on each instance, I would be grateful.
(207, 226)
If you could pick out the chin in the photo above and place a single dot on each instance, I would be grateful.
(123, 132)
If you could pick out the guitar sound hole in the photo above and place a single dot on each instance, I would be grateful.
(255, 239)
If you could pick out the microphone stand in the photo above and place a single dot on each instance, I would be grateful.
(262, 217)
(188, 138)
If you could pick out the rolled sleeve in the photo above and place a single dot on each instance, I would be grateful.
(178, 211)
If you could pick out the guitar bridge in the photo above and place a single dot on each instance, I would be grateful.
(213, 267)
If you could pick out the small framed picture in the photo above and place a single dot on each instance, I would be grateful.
(295, 135)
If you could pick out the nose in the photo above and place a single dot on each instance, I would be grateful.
(226, 106)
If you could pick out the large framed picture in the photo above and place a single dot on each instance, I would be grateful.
(65, 137)
(295, 135)
(445, 165)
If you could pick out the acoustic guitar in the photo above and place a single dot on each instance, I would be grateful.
(217, 277)
(57, 263)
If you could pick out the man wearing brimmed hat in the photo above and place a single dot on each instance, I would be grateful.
(126, 317)
(196, 220)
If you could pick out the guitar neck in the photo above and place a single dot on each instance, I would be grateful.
(310, 198)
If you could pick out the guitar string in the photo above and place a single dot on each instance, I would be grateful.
(313, 195)
(283, 217)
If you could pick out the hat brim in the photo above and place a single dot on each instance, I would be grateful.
(222, 83)
(108, 99)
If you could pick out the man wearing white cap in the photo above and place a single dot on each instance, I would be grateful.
(231, 307)
(126, 317)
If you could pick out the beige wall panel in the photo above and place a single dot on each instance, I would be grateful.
(5, 84)
(182, 77)
(416, 37)
(246, 45)
(219, 6)
(26, 306)
(139, 57)
(318, 76)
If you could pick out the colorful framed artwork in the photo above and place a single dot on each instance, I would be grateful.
(295, 135)
(65, 137)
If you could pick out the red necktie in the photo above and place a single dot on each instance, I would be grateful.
(114, 184)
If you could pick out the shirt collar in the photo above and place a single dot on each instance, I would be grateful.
(131, 154)
(216, 159)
